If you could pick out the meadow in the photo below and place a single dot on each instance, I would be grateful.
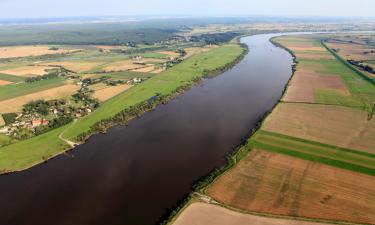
(18, 156)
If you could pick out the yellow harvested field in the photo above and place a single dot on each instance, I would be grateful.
(323, 55)
(77, 67)
(308, 79)
(305, 82)
(283, 185)
(27, 71)
(202, 214)
(156, 71)
(353, 51)
(147, 69)
(2, 122)
(15, 104)
(122, 65)
(24, 51)
(4, 82)
(170, 53)
(335, 125)
(194, 50)
(103, 92)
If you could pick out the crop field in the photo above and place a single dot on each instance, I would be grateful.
(335, 125)
(315, 151)
(104, 92)
(11, 78)
(76, 66)
(4, 82)
(25, 51)
(122, 65)
(352, 47)
(320, 78)
(201, 213)
(27, 71)
(274, 183)
(61, 92)
(123, 75)
(17, 90)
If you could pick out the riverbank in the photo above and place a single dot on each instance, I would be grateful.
(272, 160)
(119, 110)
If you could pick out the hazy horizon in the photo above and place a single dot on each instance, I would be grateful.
(13, 9)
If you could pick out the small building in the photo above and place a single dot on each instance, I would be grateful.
(137, 80)
(4, 130)
(38, 122)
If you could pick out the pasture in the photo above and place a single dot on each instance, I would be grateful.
(17, 156)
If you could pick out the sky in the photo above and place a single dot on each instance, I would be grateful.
(73, 8)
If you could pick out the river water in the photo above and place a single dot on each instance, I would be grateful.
(133, 174)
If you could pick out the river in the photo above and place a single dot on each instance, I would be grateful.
(134, 173)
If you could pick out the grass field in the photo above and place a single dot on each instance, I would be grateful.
(27, 153)
(318, 152)
(6, 140)
(123, 75)
(16, 90)
(11, 78)
(19, 156)
(274, 183)
(164, 84)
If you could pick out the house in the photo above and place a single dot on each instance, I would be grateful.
(137, 80)
(4, 130)
(38, 122)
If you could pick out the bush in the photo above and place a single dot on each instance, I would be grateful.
(9, 118)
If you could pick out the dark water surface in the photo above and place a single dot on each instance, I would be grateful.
(133, 174)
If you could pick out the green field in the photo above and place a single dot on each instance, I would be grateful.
(124, 75)
(11, 78)
(6, 140)
(164, 84)
(24, 154)
(16, 90)
(315, 151)
(155, 55)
